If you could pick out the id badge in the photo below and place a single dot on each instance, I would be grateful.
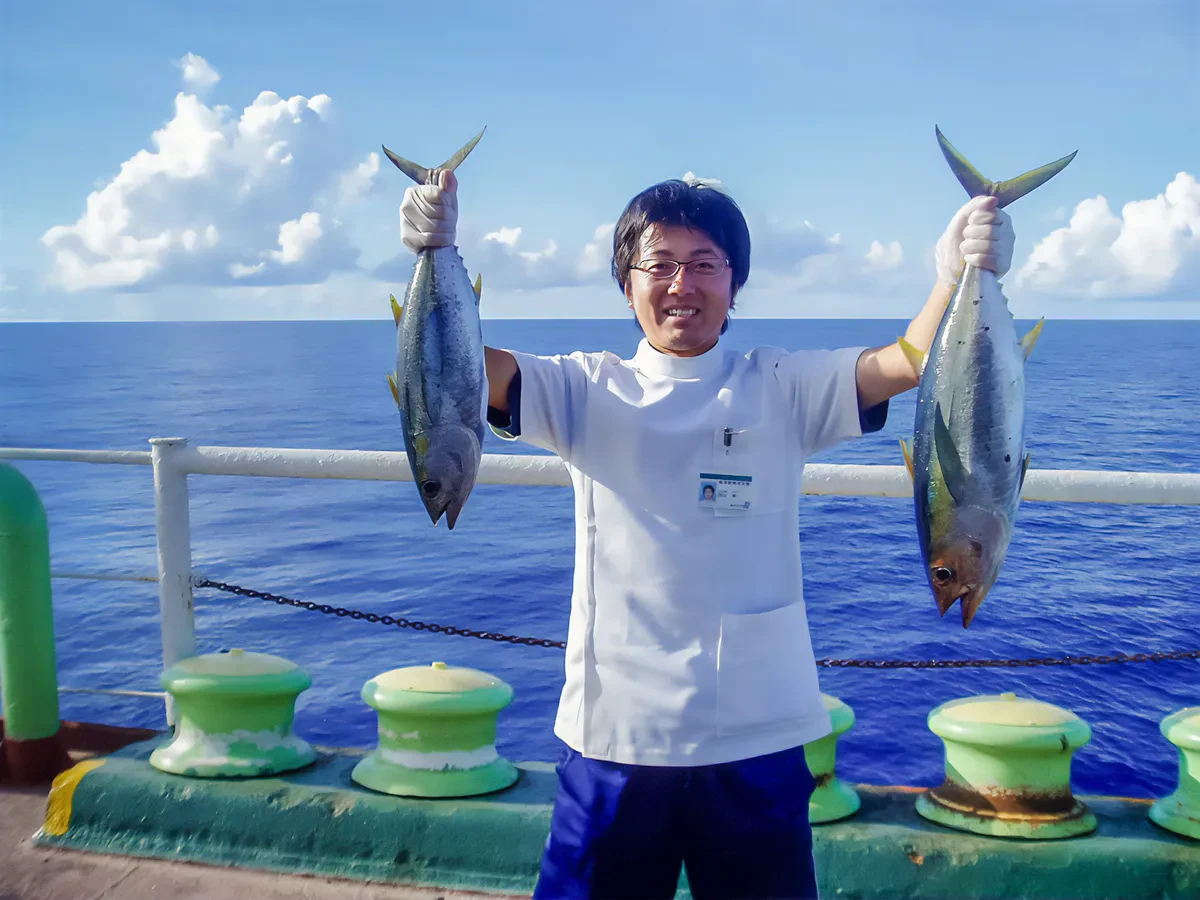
(734, 487)
(722, 491)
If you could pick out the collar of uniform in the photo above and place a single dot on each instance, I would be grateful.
(654, 362)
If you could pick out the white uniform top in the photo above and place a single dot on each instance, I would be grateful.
(688, 641)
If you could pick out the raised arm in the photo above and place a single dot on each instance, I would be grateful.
(501, 367)
(884, 372)
(979, 234)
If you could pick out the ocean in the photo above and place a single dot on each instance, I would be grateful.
(1079, 579)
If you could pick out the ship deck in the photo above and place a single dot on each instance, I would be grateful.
(135, 832)
(35, 873)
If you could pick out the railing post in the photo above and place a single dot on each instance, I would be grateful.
(174, 556)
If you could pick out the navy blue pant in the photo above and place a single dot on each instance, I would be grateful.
(620, 831)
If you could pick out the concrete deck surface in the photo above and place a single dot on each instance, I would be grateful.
(33, 873)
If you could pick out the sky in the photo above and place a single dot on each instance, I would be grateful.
(170, 161)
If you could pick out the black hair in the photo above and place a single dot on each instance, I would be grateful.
(699, 208)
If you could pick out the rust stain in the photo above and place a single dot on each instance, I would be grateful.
(1029, 806)
(888, 788)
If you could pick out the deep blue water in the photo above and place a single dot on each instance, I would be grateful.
(1080, 578)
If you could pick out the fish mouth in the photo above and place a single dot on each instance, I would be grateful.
(439, 502)
(969, 601)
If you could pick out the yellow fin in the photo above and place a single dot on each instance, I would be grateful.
(395, 390)
(907, 457)
(479, 285)
(1031, 338)
(397, 310)
(62, 795)
(916, 358)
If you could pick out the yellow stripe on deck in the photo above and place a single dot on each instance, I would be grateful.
(62, 794)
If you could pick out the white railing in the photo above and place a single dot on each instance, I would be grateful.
(173, 460)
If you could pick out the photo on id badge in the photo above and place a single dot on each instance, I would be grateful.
(729, 487)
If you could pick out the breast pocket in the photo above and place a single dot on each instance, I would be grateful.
(761, 453)
(764, 670)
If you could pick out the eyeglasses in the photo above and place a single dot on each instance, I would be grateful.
(669, 268)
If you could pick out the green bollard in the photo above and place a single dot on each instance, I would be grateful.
(1180, 811)
(1008, 768)
(832, 798)
(437, 733)
(235, 712)
(28, 676)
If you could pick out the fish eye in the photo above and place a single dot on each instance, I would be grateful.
(942, 574)
(430, 489)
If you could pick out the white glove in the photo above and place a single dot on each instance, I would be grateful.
(978, 234)
(429, 213)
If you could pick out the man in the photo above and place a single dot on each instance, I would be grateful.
(691, 687)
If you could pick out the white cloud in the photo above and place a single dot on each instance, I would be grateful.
(360, 182)
(198, 75)
(1153, 249)
(597, 254)
(534, 257)
(778, 247)
(800, 259)
(220, 199)
(784, 257)
(884, 258)
(297, 238)
(241, 270)
(506, 236)
(506, 263)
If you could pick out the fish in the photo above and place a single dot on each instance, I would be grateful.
(440, 383)
(967, 460)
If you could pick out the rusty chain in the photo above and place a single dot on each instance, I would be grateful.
(343, 613)
(434, 628)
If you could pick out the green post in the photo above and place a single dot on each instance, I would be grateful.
(1180, 812)
(437, 733)
(234, 716)
(832, 798)
(28, 674)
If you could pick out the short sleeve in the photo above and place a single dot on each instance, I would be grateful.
(549, 406)
(823, 388)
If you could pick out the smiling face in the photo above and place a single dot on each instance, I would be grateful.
(683, 315)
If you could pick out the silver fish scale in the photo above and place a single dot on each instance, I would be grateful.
(442, 309)
(983, 407)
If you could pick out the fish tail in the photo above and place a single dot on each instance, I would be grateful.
(422, 175)
(1005, 192)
